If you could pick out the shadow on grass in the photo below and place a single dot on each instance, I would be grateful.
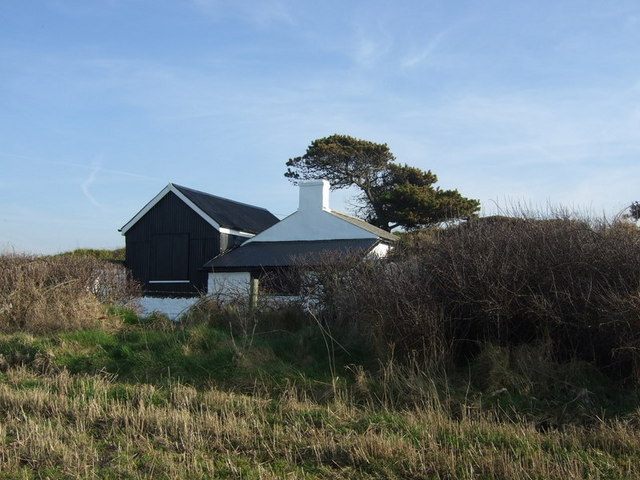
(511, 382)
(152, 350)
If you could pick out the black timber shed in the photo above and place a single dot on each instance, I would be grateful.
(169, 240)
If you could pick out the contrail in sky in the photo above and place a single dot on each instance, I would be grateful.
(87, 183)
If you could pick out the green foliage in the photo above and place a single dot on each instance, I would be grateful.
(342, 160)
(112, 402)
(518, 382)
(406, 196)
(392, 195)
(128, 315)
(525, 380)
(117, 254)
(149, 355)
(197, 355)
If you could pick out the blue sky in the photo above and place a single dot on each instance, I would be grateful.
(103, 102)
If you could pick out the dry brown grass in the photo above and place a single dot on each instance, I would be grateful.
(45, 294)
(59, 426)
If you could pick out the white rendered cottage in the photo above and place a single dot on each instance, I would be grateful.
(312, 230)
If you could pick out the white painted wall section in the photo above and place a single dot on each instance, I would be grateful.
(380, 251)
(313, 220)
(171, 307)
(314, 195)
(309, 225)
(229, 284)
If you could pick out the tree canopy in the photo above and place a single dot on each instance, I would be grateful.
(391, 194)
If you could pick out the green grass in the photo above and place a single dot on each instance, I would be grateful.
(509, 385)
(149, 400)
(200, 356)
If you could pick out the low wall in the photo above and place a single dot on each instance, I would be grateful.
(171, 307)
(229, 284)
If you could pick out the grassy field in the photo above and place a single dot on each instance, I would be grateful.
(150, 401)
(506, 348)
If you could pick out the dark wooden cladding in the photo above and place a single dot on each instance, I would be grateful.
(172, 242)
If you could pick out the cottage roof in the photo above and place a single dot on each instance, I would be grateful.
(287, 253)
(366, 226)
(229, 213)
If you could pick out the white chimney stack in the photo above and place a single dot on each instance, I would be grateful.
(314, 195)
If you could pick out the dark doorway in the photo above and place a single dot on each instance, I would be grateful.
(170, 257)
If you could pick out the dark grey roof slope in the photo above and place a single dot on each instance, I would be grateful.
(229, 213)
(366, 226)
(283, 254)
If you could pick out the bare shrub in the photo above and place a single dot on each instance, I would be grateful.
(568, 282)
(44, 294)
(242, 319)
(572, 284)
(379, 302)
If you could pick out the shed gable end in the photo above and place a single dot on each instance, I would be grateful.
(167, 246)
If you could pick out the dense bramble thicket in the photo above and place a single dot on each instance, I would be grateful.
(570, 286)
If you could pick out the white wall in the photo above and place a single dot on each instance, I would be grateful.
(313, 220)
(171, 307)
(314, 195)
(229, 284)
(381, 250)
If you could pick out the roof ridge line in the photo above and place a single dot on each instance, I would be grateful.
(346, 214)
(219, 197)
(374, 229)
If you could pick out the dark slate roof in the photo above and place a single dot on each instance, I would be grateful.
(388, 236)
(229, 213)
(283, 254)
